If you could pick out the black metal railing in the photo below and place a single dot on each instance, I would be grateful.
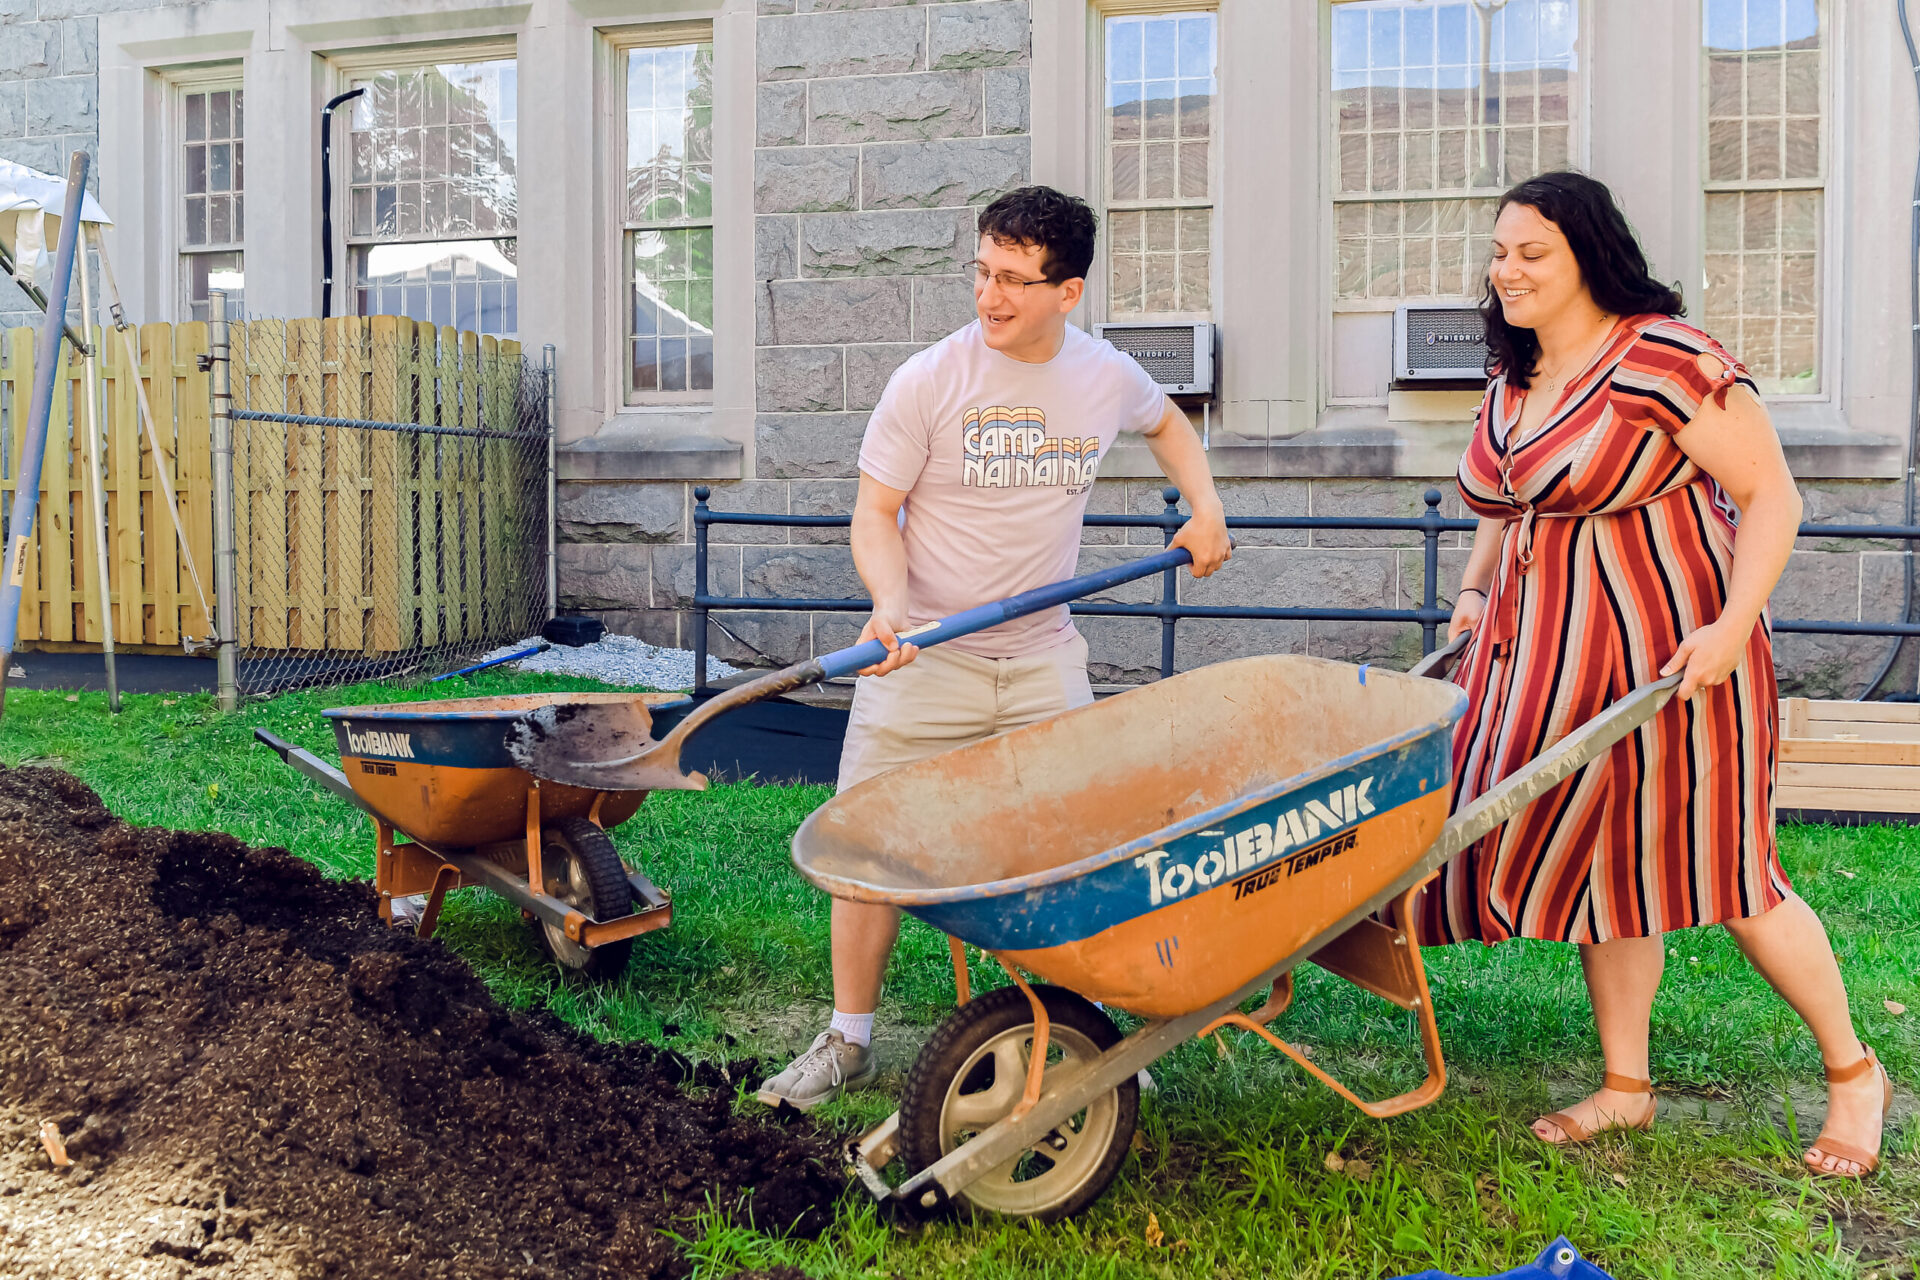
(1429, 615)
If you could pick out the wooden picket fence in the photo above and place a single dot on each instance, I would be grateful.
(347, 539)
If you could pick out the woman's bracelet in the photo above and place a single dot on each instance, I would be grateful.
(1476, 590)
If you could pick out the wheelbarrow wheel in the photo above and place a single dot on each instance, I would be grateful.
(974, 1070)
(582, 869)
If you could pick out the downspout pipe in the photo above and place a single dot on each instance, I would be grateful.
(326, 197)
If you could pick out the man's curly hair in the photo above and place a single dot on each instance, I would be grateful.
(1063, 226)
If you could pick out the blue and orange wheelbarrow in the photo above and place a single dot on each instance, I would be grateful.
(451, 808)
(1173, 852)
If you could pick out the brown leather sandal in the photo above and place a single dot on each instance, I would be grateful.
(1578, 1133)
(1869, 1161)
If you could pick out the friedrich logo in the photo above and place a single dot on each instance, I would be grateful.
(375, 742)
(1260, 844)
(1003, 448)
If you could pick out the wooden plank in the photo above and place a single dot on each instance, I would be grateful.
(20, 394)
(389, 517)
(1871, 777)
(1861, 731)
(307, 566)
(268, 467)
(85, 538)
(1793, 717)
(189, 390)
(144, 562)
(350, 543)
(1847, 799)
(1857, 751)
(467, 482)
(54, 526)
(1879, 712)
(431, 542)
(164, 557)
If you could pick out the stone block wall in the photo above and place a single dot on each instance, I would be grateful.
(881, 131)
(49, 96)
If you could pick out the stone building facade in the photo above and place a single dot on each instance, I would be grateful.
(852, 145)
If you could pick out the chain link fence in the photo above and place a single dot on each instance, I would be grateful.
(391, 493)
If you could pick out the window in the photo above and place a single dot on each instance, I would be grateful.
(1765, 186)
(213, 157)
(1159, 126)
(432, 198)
(1438, 108)
(667, 215)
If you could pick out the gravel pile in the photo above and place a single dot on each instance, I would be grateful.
(621, 660)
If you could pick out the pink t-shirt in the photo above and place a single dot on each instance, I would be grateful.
(997, 457)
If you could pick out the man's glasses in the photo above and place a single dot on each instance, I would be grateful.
(1007, 281)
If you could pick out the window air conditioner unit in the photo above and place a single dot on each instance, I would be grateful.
(1179, 357)
(1435, 343)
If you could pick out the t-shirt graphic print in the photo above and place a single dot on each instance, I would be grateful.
(997, 458)
(1009, 447)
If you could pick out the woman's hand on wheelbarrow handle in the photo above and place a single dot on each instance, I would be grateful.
(872, 652)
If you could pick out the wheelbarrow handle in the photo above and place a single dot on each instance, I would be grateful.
(869, 653)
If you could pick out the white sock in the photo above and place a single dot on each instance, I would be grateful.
(854, 1028)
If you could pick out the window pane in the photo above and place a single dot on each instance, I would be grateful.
(670, 310)
(1159, 261)
(1763, 264)
(434, 281)
(204, 271)
(211, 164)
(1160, 87)
(1451, 97)
(669, 124)
(434, 154)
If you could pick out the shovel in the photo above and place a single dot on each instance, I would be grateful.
(609, 746)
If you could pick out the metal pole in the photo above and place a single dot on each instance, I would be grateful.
(1429, 599)
(90, 458)
(700, 495)
(553, 492)
(225, 553)
(33, 451)
(1169, 580)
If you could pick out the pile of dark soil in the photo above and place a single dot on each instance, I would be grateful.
(254, 1077)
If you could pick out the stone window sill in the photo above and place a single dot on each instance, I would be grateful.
(656, 444)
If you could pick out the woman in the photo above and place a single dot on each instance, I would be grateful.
(1614, 452)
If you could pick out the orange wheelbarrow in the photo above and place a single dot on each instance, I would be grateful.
(1172, 852)
(439, 774)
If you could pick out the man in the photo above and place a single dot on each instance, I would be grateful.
(988, 441)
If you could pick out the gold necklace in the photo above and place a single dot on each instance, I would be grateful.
(1553, 382)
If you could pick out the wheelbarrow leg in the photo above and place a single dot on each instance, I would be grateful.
(447, 877)
(1386, 961)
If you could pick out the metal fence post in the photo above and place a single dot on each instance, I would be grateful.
(700, 495)
(553, 490)
(1429, 599)
(225, 552)
(1169, 581)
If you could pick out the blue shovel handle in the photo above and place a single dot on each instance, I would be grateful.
(871, 652)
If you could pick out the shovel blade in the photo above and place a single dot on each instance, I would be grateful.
(604, 746)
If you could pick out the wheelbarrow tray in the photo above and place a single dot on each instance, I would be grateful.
(441, 772)
(1159, 850)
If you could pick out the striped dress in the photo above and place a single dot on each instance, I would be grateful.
(1616, 546)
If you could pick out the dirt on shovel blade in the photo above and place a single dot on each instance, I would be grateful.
(250, 1075)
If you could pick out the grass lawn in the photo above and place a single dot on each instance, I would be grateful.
(1231, 1166)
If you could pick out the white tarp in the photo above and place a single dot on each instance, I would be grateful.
(30, 204)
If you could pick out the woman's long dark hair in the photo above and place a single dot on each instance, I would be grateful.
(1611, 265)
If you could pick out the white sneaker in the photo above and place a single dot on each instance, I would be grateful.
(408, 910)
(828, 1068)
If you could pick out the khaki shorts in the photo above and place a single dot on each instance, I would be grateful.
(945, 698)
